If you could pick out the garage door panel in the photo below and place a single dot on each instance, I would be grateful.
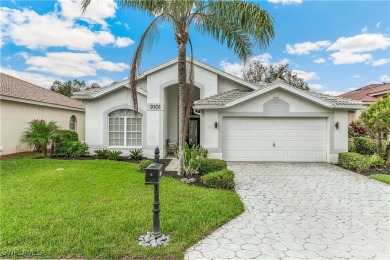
(295, 139)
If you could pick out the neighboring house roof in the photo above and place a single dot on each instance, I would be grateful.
(234, 97)
(95, 93)
(15, 89)
(368, 94)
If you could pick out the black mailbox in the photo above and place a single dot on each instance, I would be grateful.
(153, 174)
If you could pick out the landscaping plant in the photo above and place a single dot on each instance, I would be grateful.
(136, 154)
(223, 179)
(38, 134)
(365, 145)
(377, 119)
(207, 165)
(113, 155)
(102, 154)
(354, 161)
(61, 136)
(73, 149)
(143, 165)
(376, 160)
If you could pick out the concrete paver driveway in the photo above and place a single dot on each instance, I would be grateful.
(303, 211)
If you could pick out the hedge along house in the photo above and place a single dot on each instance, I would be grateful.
(235, 120)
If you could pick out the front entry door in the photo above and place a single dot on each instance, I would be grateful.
(193, 132)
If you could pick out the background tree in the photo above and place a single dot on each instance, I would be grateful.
(238, 24)
(69, 87)
(38, 134)
(256, 72)
(377, 119)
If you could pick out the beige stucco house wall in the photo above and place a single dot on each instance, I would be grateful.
(21, 102)
(16, 115)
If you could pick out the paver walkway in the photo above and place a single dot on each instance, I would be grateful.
(302, 211)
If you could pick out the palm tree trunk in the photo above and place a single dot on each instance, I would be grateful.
(182, 78)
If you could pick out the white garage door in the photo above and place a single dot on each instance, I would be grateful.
(281, 139)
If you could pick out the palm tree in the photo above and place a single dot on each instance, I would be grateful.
(39, 134)
(238, 24)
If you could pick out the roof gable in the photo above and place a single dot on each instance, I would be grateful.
(91, 94)
(234, 97)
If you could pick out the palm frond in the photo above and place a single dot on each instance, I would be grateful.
(249, 18)
(147, 39)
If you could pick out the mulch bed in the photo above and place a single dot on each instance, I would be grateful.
(380, 170)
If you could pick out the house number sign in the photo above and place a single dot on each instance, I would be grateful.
(154, 107)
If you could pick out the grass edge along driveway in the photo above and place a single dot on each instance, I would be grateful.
(98, 209)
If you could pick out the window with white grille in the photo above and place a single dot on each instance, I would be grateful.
(125, 128)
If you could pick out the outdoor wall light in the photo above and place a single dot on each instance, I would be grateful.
(216, 125)
(337, 125)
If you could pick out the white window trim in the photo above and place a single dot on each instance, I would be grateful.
(125, 146)
(75, 123)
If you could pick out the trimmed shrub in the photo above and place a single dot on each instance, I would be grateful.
(207, 165)
(62, 136)
(219, 180)
(365, 145)
(143, 165)
(354, 161)
(376, 160)
(351, 145)
(73, 149)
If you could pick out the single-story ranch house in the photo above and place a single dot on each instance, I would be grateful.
(235, 120)
(22, 102)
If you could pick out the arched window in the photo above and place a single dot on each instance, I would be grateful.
(73, 123)
(125, 128)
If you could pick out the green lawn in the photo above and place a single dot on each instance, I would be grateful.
(98, 209)
(381, 177)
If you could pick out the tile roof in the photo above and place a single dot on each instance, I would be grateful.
(94, 92)
(223, 98)
(229, 96)
(17, 88)
(368, 93)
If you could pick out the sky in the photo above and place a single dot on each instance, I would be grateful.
(336, 46)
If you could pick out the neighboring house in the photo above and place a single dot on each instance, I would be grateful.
(22, 102)
(367, 95)
(235, 120)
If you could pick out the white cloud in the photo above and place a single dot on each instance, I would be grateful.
(236, 68)
(126, 26)
(356, 76)
(123, 42)
(232, 68)
(361, 43)
(103, 81)
(96, 12)
(37, 79)
(49, 30)
(378, 24)
(306, 76)
(364, 29)
(316, 86)
(286, 2)
(351, 89)
(385, 78)
(319, 60)
(333, 92)
(380, 62)
(71, 64)
(306, 47)
(349, 57)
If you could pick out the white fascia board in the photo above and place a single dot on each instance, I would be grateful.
(207, 107)
(40, 103)
(204, 66)
(353, 107)
(284, 86)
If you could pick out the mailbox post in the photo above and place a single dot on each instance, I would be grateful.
(153, 177)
